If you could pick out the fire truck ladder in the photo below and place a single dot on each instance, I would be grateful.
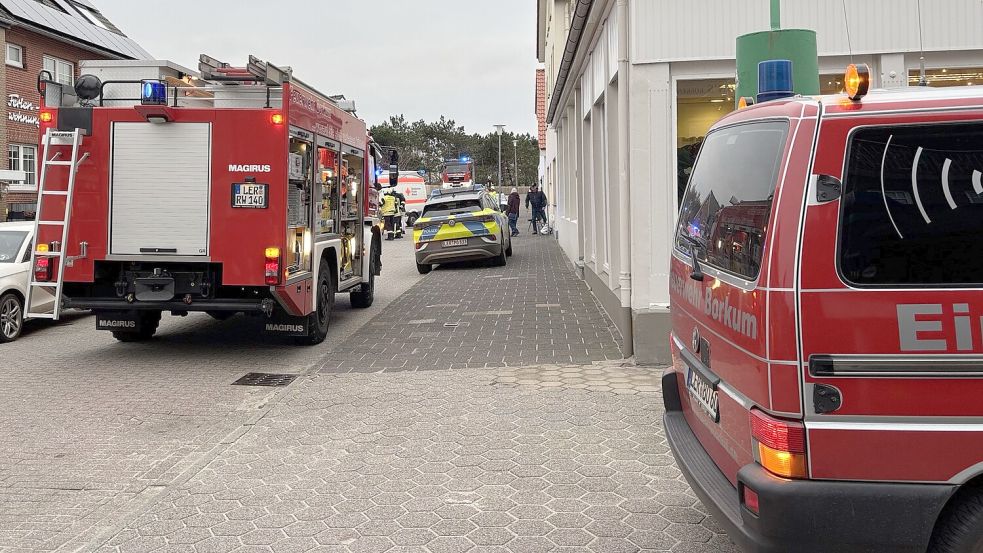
(56, 252)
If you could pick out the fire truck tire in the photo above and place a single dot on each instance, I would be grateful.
(221, 315)
(365, 296)
(151, 320)
(320, 320)
(423, 268)
(960, 528)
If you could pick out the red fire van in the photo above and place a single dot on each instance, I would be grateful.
(826, 393)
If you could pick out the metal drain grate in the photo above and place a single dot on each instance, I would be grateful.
(265, 379)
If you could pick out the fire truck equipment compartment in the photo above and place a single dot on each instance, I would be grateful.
(160, 189)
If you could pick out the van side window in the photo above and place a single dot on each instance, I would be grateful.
(912, 209)
(727, 204)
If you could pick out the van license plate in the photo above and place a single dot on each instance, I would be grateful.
(703, 393)
(452, 243)
(250, 195)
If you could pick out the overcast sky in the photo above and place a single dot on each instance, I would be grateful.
(471, 60)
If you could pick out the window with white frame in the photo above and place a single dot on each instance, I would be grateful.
(61, 71)
(23, 157)
(15, 55)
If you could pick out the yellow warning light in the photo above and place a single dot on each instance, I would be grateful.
(856, 81)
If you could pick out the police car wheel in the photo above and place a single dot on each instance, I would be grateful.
(960, 528)
(502, 258)
(423, 268)
(508, 250)
(11, 318)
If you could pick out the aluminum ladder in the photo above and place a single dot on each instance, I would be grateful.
(57, 252)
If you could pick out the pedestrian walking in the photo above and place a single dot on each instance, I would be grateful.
(537, 200)
(512, 210)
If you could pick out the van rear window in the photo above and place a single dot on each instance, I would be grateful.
(727, 204)
(912, 209)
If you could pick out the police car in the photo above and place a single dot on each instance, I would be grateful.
(459, 225)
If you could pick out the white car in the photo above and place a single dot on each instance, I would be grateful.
(15, 265)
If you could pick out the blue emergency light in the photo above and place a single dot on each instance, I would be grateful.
(153, 93)
(465, 159)
(774, 80)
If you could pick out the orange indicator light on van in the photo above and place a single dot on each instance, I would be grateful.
(781, 445)
(856, 81)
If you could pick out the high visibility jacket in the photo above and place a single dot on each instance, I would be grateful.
(388, 205)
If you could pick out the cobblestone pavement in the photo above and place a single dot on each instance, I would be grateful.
(544, 441)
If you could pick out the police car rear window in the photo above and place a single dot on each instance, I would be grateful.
(727, 204)
(912, 208)
(456, 207)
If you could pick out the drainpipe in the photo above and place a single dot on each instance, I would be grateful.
(624, 179)
(776, 15)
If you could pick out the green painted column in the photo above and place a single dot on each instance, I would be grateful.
(797, 45)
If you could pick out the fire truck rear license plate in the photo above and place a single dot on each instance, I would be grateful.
(703, 393)
(250, 195)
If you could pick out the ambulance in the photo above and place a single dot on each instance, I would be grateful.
(826, 390)
(413, 187)
(227, 190)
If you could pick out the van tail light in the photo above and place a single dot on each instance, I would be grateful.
(272, 266)
(750, 500)
(780, 445)
(42, 264)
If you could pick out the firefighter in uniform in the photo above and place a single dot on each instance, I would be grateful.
(400, 212)
(388, 212)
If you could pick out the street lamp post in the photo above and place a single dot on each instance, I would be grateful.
(498, 130)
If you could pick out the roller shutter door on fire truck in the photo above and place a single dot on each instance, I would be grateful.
(160, 189)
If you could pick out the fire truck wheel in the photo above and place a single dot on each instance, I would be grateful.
(151, 320)
(320, 319)
(221, 315)
(11, 317)
(423, 268)
(960, 529)
(365, 295)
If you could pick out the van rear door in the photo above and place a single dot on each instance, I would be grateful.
(891, 297)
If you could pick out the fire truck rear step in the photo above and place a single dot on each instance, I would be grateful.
(60, 255)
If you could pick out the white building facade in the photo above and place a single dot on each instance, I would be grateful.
(632, 86)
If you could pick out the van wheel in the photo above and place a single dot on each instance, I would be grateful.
(423, 268)
(11, 317)
(363, 298)
(960, 528)
(148, 327)
(320, 319)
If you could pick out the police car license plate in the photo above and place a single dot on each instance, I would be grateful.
(452, 243)
(250, 195)
(703, 394)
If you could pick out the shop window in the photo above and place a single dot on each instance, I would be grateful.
(22, 157)
(948, 77)
(725, 211)
(61, 71)
(15, 55)
(699, 104)
(900, 231)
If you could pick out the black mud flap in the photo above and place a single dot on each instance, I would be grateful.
(282, 324)
(120, 321)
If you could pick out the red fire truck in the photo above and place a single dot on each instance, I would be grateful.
(457, 173)
(236, 190)
(826, 393)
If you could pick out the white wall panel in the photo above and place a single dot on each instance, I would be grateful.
(663, 30)
(614, 35)
(600, 66)
(587, 86)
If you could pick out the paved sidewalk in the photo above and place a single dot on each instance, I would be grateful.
(562, 456)
(535, 310)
